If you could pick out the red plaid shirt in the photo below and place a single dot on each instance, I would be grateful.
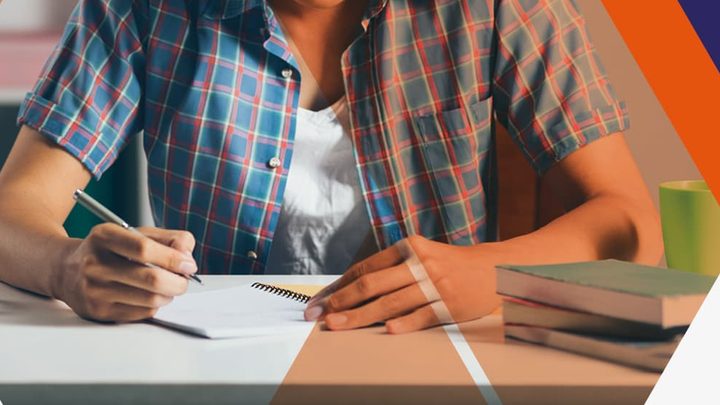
(214, 88)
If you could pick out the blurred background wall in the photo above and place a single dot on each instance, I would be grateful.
(31, 16)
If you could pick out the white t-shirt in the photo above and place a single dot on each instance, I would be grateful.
(323, 226)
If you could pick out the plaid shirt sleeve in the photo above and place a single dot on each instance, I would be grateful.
(550, 89)
(88, 97)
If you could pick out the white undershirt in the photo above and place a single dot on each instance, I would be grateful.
(323, 226)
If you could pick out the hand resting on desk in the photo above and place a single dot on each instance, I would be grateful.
(415, 284)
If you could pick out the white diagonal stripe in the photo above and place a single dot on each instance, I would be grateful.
(472, 365)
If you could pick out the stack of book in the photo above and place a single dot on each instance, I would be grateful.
(612, 310)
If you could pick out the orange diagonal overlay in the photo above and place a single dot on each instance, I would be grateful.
(680, 71)
(370, 366)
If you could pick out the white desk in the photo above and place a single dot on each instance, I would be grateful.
(49, 355)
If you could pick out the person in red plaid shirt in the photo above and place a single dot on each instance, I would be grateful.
(386, 109)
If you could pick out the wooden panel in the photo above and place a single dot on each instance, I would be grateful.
(525, 201)
(549, 205)
(517, 189)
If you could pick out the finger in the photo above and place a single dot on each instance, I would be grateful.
(142, 249)
(386, 307)
(422, 318)
(123, 294)
(369, 286)
(183, 241)
(381, 260)
(156, 281)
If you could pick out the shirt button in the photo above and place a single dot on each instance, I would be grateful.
(274, 163)
(286, 73)
(252, 255)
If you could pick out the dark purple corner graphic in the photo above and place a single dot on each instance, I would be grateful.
(705, 16)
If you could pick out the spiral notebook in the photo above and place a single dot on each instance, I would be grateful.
(255, 309)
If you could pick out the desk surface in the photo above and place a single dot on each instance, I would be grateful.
(48, 353)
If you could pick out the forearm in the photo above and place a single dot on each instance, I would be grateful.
(603, 227)
(32, 248)
(36, 185)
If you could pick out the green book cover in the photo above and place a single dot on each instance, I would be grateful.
(623, 277)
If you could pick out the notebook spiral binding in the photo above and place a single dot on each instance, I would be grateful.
(304, 298)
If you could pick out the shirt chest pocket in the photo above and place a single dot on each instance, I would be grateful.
(456, 146)
(456, 136)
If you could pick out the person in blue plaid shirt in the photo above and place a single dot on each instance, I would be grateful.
(319, 137)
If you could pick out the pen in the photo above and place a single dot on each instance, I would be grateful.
(106, 215)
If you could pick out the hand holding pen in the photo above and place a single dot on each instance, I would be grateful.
(121, 274)
(106, 215)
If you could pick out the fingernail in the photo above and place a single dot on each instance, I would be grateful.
(336, 319)
(313, 312)
(188, 267)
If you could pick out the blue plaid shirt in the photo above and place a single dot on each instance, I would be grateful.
(214, 88)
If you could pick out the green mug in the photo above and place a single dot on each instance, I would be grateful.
(691, 226)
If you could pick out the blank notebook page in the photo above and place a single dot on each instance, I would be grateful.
(234, 312)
